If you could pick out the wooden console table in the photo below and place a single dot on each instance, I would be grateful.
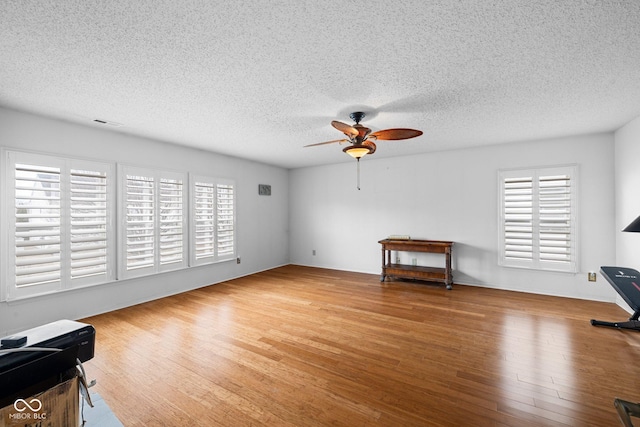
(432, 274)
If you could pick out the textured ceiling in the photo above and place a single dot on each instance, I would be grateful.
(261, 79)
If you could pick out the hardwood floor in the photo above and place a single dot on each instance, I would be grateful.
(299, 346)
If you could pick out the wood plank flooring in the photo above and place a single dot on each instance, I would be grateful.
(300, 346)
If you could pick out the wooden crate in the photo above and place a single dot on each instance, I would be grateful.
(57, 406)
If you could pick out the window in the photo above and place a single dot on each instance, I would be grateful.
(58, 218)
(213, 220)
(538, 218)
(153, 223)
(59, 228)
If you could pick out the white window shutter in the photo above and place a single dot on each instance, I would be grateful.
(204, 234)
(139, 222)
(538, 218)
(555, 218)
(225, 220)
(154, 224)
(518, 218)
(213, 234)
(171, 221)
(38, 217)
(88, 224)
(58, 221)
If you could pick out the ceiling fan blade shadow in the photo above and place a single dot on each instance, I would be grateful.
(423, 102)
(395, 134)
(328, 142)
(311, 122)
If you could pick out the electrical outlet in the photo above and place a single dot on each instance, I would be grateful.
(238, 260)
(313, 252)
(592, 276)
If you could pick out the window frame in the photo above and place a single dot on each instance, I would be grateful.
(216, 256)
(536, 262)
(156, 266)
(69, 240)
(92, 221)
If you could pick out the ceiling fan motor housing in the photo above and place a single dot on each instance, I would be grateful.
(357, 116)
(363, 132)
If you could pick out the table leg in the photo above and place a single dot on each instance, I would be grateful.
(448, 273)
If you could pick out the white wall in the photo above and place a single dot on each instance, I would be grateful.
(262, 222)
(627, 181)
(451, 195)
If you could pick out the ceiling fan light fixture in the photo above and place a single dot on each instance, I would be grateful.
(357, 151)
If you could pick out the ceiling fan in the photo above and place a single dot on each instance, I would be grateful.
(361, 139)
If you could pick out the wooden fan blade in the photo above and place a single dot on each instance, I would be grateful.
(348, 130)
(328, 142)
(371, 146)
(392, 134)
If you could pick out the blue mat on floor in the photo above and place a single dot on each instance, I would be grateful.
(100, 415)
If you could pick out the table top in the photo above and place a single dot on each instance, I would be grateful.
(417, 241)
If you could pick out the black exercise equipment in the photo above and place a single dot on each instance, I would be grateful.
(626, 410)
(626, 281)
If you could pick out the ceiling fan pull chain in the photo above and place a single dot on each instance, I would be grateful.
(358, 173)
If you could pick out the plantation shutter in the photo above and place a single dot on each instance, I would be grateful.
(58, 226)
(38, 217)
(213, 235)
(518, 218)
(154, 227)
(204, 220)
(554, 211)
(88, 224)
(538, 219)
(140, 222)
(171, 218)
(225, 221)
